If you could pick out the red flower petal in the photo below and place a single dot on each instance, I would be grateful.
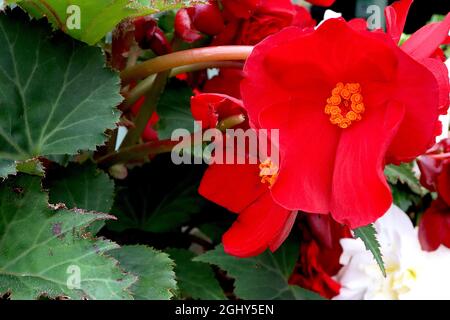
(443, 183)
(440, 72)
(306, 168)
(423, 43)
(322, 3)
(210, 108)
(227, 82)
(184, 27)
(239, 8)
(396, 18)
(208, 19)
(361, 194)
(434, 228)
(416, 88)
(234, 187)
(256, 228)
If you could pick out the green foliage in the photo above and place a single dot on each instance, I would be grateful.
(158, 197)
(196, 280)
(174, 110)
(156, 278)
(32, 166)
(40, 246)
(96, 18)
(264, 277)
(56, 97)
(82, 187)
(403, 174)
(368, 235)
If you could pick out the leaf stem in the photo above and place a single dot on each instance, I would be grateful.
(183, 58)
(147, 110)
(144, 85)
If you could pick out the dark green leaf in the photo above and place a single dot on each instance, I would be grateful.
(56, 97)
(97, 18)
(368, 235)
(83, 187)
(174, 110)
(196, 280)
(158, 197)
(264, 277)
(156, 278)
(405, 175)
(41, 249)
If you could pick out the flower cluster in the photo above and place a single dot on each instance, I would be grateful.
(347, 102)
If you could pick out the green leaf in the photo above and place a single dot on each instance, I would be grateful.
(405, 175)
(7, 168)
(158, 197)
(153, 268)
(96, 18)
(83, 187)
(174, 110)
(33, 167)
(368, 235)
(264, 277)
(403, 197)
(43, 250)
(56, 97)
(196, 280)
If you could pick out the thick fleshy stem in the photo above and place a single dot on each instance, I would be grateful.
(143, 86)
(183, 58)
(147, 110)
(142, 151)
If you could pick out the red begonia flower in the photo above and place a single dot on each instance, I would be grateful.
(344, 100)
(261, 223)
(269, 17)
(434, 228)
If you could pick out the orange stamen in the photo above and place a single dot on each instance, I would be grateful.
(345, 105)
(268, 172)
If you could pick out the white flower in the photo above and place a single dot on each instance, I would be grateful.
(411, 273)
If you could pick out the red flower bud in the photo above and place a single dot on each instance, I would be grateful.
(149, 36)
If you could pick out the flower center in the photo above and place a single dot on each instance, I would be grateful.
(268, 172)
(345, 105)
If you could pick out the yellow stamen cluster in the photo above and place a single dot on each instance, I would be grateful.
(345, 105)
(268, 172)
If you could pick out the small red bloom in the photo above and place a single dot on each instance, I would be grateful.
(191, 23)
(320, 252)
(434, 228)
(243, 22)
(269, 17)
(149, 36)
(242, 189)
(346, 101)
